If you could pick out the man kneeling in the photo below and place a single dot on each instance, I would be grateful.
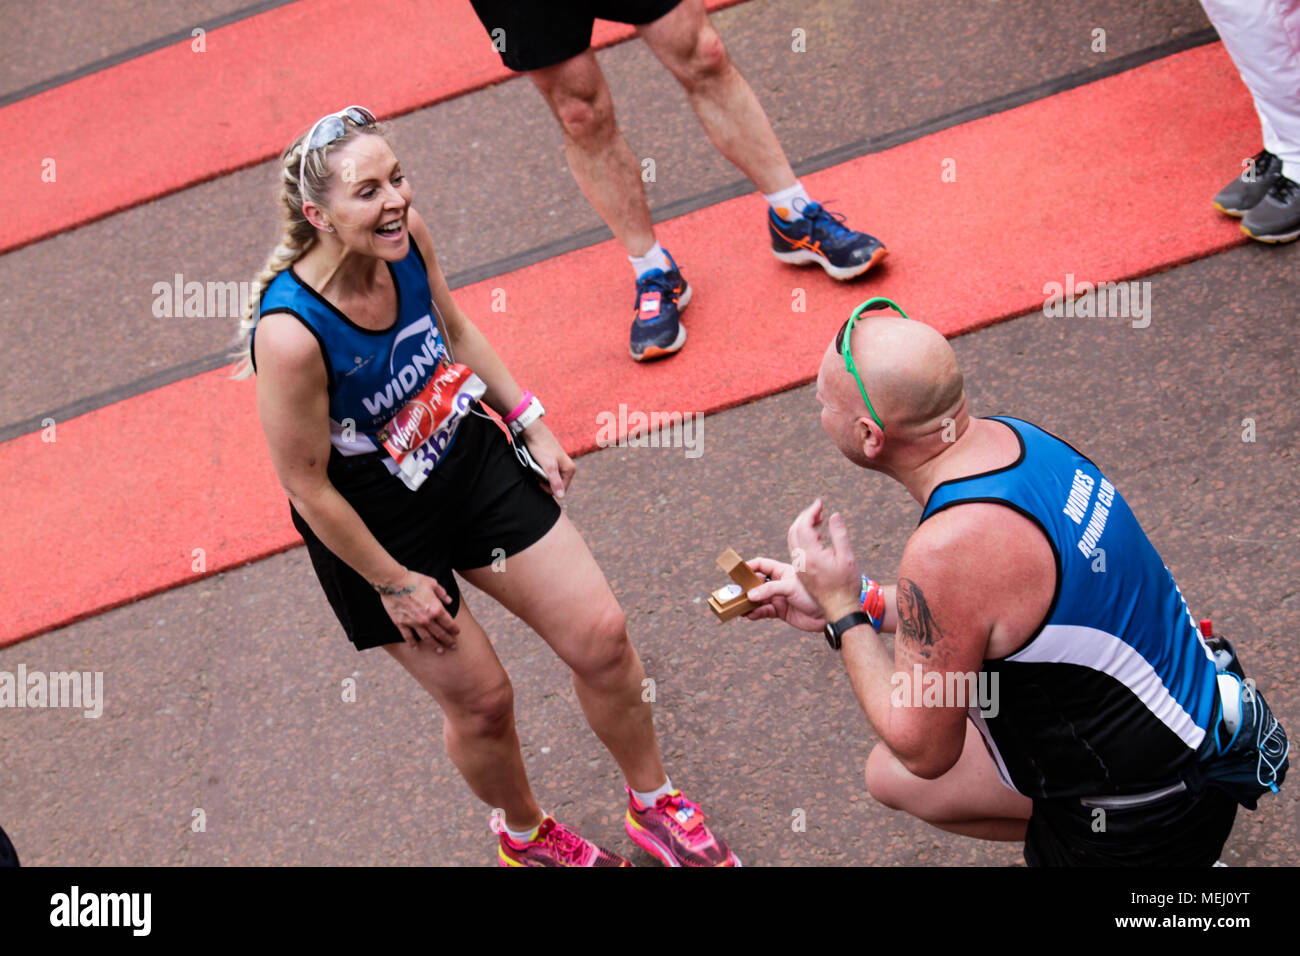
(1031, 695)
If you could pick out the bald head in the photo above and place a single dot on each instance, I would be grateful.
(909, 371)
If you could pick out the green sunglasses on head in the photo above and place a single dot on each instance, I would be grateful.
(846, 336)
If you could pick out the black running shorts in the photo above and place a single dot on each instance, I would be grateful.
(1188, 829)
(478, 505)
(532, 34)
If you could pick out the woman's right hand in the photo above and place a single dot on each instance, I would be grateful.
(419, 609)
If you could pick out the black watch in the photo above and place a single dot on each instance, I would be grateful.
(836, 630)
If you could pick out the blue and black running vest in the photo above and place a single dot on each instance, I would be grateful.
(371, 374)
(1116, 690)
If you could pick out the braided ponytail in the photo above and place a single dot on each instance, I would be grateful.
(297, 237)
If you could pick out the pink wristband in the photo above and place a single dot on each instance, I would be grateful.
(519, 409)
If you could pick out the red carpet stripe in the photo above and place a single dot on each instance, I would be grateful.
(174, 117)
(1106, 181)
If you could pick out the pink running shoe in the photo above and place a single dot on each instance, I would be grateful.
(675, 832)
(554, 845)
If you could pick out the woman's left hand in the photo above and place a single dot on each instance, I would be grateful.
(549, 453)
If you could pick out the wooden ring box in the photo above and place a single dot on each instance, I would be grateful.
(725, 602)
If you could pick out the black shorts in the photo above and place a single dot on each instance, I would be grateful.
(541, 33)
(478, 505)
(1188, 829)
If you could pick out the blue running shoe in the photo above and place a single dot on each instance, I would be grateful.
(820, 236)
(656, 327)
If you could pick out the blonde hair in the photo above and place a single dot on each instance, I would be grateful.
(297, 233)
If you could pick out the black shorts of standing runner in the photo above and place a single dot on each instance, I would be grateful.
(535, 35)
(478, 506)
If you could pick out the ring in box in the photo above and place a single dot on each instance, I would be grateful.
(729, 601)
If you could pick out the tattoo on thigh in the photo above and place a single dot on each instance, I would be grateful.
(915, 622)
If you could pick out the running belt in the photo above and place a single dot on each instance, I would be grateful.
(1115, 690)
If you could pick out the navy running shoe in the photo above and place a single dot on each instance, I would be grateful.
(820, 236)
(656, 327)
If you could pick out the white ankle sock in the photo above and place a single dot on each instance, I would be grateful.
(522, 836)
(654, 259)
(789, 202)
(648, 799)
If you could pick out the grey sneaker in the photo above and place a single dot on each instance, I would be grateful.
(1241, 195)
(1276, 218)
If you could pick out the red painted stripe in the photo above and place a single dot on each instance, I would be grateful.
(1107, 181)
(175, 117)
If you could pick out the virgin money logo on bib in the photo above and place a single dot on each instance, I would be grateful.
(419, 434)
(409, 427)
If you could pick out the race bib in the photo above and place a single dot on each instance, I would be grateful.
(418, 435)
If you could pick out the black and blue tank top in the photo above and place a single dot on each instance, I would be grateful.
(371, 373)
(1116, 689)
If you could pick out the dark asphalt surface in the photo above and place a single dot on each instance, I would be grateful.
(225, 695)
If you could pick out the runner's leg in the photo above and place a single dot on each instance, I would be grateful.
(477, 702)
(686, 43)
(557, 589)
(599, 157)
(969, 799)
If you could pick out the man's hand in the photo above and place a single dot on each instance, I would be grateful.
(830, 576)
(783, 597)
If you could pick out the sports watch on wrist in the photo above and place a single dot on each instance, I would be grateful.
(530, 414)
(834, 631)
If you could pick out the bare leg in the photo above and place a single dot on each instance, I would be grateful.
(684, 41)
(598, 155)
(477, 702)
(557, 588)
(969, 799)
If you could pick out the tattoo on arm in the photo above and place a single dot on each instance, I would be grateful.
(390, 591)
(915, 622)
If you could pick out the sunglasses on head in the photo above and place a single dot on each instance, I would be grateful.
(329, 128)
(843, 343)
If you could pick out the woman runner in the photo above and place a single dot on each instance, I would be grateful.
(395, 477)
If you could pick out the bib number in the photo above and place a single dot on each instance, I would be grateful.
(417, 437)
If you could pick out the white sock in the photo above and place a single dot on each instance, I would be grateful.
(789, 202)
(523, 836)
(648, 799)
(654, 259)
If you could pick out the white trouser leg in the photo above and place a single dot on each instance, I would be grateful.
(1263, 39)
